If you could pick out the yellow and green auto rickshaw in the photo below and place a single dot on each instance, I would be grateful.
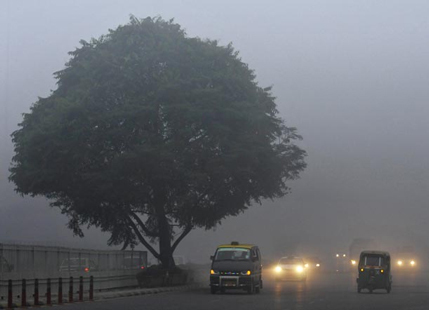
(374, 271)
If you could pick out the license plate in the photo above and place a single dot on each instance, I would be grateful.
(229, 283)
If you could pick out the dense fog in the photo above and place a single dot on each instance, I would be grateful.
(352, 76)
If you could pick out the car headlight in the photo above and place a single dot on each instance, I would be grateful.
(412, 263)
(278, 269)
(353, 262)
(306, 265)
(299, 269)
(317, 265)
(399, 262)
(246, 273)
(214, 272)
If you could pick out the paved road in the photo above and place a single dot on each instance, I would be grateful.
(322, 291)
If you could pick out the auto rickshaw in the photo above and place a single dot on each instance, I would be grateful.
(374, 271)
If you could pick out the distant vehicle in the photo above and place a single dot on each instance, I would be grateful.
(312, 263)
(406, 258)
(78, 264)
(341, 261)
(374, 271)
(236, 266)
(357, 246)
(290, 268)
(5, 266)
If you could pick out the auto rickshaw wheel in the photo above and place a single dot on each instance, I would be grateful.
(389, 288)
(359, 289)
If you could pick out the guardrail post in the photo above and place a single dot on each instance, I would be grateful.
(60, 291)
(71, 290)
(81, 288)
(48, 292)
(91, 288)
(9, 294)
(24, 293)
(36, 292)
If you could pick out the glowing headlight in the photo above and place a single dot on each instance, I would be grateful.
(353, 262)
(299, 269)
(278, 269)
(317, 265)
(344, 255)
(338, 255)
(306, 265)
(246, 273)
(214, 272)
(399, 262)
(412, 263)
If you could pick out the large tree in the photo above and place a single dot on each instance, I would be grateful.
(151, 133)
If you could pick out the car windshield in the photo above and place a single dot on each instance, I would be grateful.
(290, 261)
(234, 254)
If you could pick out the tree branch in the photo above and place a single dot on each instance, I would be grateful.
(185, 231)
(142, 225)
(142, 239)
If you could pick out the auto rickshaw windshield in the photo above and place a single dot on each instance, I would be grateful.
(373, 260)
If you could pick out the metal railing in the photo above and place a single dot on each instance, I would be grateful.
(44, 271)
(24, 261)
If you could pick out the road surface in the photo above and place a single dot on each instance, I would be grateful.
(328, 291)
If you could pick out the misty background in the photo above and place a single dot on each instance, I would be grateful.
(352, 76)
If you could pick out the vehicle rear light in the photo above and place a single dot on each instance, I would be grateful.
(86, 269)
(142, 267)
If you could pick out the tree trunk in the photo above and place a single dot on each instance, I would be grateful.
(165, 249)
(164, 229)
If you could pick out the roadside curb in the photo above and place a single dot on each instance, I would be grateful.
(146, 291)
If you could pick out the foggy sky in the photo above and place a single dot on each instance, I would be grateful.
(352, 76)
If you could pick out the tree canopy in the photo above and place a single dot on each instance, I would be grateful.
(151, 133)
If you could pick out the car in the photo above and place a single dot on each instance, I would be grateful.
(236, 266)
(313, 263)
(405, 262)
(290, 268)
(78, 264)
(341, 262)
(406, 258)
